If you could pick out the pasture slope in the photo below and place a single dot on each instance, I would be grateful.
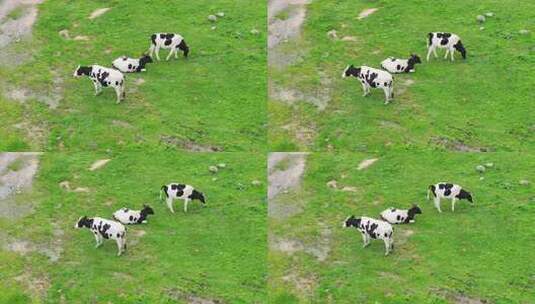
(213, 101)
(210, 255)
(481, 104)
(478, 254)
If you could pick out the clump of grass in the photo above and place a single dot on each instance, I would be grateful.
(18, 12)
(16, 165)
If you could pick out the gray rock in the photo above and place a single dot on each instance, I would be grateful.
(480, 18)
(212, 18)
(489, 165)
(256, 183)
(255, 32)
(220, 14)
(480, 168)
(489, 14)
(523, 32)
(213, 169)
(221, 165)
(523, 182)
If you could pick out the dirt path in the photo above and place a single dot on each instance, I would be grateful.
(285, 171)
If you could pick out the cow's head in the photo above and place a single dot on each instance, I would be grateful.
(80, 71)
(147, 210)
(415, 59)
(198, 195)
(83, 222)
(351, 221)
(460, 47)
(463, 194)
(350, 70)
(415, 210)
(145, 59)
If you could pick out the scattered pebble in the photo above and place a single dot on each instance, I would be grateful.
(480, 168)
(349, 38)
(222, 165)
(365, 13)
(99, 164)
(481, 28)
(489, 14)
(64, 34)
(366, 163)
(481, 178)
(213, 169)
(65, 185)
(220, 14)
(212, 18)
(81, 38)
(523, 182)
(214, 179)
(213, 28)
(350, 189)
(332, 34)
(480, 18)
(255, 32)
(99, 12)
(256, 183)
(489, 165)
(332, 184)
(523, 32)
(81, 189)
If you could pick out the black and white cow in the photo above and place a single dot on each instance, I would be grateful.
(171, 41)
(128, 216)
(104, 229)
(400, 216)
(372, 228)
(175, 191)
(131, 65)
(448, 191)
(370, 77)
(395, 65)
(103, 77)
(448, 41)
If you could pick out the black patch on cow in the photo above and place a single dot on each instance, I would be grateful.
(162, 36)
(371, 230)
(129, 66)
(118, 235)
(398, 217)
(103, 79)
(398, 67)
(432, 188)
(131, 218)
(386, 84)
(102, 230)
(164, 189)
(430, 40)
(153, 39)
(444, 37)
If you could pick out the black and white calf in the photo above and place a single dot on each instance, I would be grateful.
(104, 229)
(448, 191)
(394, 65)
(171, 41)
(175, 191)
(372, 228)
(400, 216)
(131, 65)
(370, 77)
(448, 41)
(103, 77)
(128, 216)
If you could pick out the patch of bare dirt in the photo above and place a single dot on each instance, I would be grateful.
(320, 97)
(35, 285)
(459, 298)
(22, 95)
(98, 164)
(98, 12)
(17, 171)
(303, 284)
(288, 27)
(319, 248)
(52, 249)
(367, 12)
(304, 135)
(185, 144)
(122, 124)
(178, 295)
(285, 171)
(366, 163)
(456, 145)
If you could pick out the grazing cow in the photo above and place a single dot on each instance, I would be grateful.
(394, 65)
(127, 216)
(448, 191)
(448, 41)
(175, 191)
(131, 65)
(104, 229)
(370, 77)
(400, 216)
(168, 41)
(372, 228)
(103, 77)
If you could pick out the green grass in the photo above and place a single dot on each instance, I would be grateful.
(17, 12)
(216, 98)
(217, 252)
(484, 101)
(481, 251)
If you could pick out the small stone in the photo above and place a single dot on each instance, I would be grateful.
(214, 179)
(480, 18)
(213, 169)
(523, 182)
(489, 14)
(64, 34)
(489, 165)
(480, 168)
(350, 189)
(212, 18)
(81, 189)
(213, 28)
(81, 38)
(65, 185)
(220, 14)
(481, 178)
(222, 165)
(332, 184)
(256, 183)
(332, 34)
(523, 32)
(481, 28)
(349, 38)
(255, 32)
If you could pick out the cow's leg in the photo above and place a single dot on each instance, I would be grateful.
(453, 204)
(98, 238)
(366, 240)
(176, 53)
(157, 52)
(98, 87)
(452, 50)
(437, 204)
(118, 93)
(387, 95)
(446, 55)
(186, 201)
(169, 202)
(430, 49)
(151, 50)
(387, 246)
(435, 52)
(119, 246)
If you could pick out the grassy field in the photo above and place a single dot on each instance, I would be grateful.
(479, 253)
(215, 254)
(215, 100)
(483, 103)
